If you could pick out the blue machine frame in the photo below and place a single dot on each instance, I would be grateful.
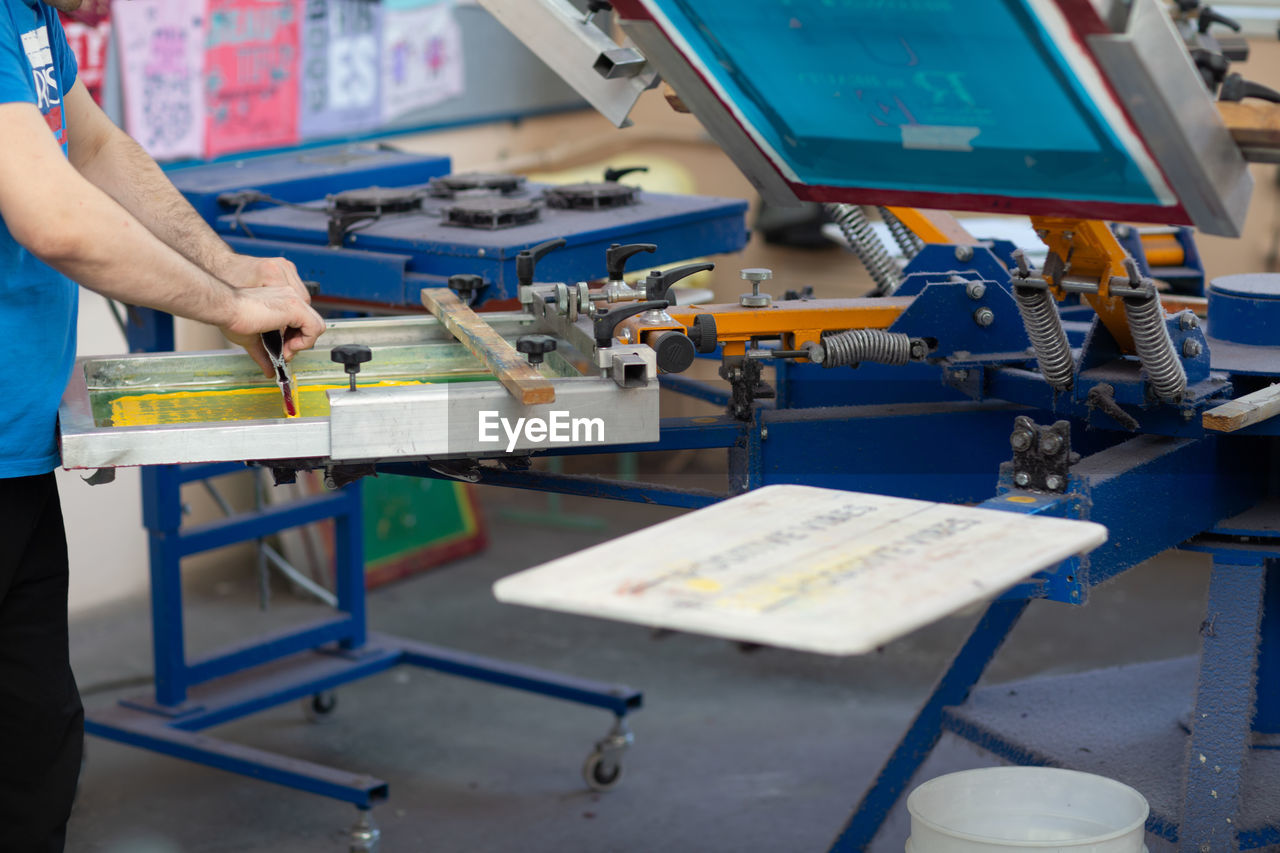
(918, 431)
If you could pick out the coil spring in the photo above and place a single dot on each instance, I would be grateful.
(857, 345)
(1155, 349)
(866, 245)
(1044, 328)
(907, 240)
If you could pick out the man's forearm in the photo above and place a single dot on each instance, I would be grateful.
(124, 171)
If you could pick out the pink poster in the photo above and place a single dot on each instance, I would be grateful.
(162, 61)
(251, 69)
(88, 32)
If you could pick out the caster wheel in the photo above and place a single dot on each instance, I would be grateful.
(601, 774)
(317, 708)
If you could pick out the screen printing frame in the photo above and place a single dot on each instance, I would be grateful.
(374, 424)
(1146, 84)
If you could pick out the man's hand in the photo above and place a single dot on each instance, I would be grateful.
(249, 271)
(255, 310)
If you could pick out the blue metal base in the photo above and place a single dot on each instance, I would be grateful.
(176, 731)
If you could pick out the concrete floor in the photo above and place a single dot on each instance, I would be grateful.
(760, 751)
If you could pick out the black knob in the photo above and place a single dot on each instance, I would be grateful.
(614, 175)
(535, 346)
(604, 322)
(616, 257)
(351, 356)
(674, 351)
(1209, 17)
(658, 282)
(1236, 88)
(703, 333)
(599, 6)
(466, 285)
(1213, 67)
(528, 259)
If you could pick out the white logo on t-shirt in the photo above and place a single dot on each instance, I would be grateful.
(36, 45)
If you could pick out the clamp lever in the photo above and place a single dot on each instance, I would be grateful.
(658, 282)
(604, 322)
(527, 259)
(616, 257)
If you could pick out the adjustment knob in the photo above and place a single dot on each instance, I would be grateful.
(703, 333)
(674, 352)
(756, 299)
(466, 285)
(351, 356)
(535, 347)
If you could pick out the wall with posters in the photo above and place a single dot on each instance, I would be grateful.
(198, 79)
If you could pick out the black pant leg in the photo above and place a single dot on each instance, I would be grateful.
(41, 718)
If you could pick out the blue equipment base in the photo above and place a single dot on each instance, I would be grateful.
(1123, 722)
(175, 731)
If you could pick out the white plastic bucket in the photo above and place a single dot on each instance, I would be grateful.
(1026, 808)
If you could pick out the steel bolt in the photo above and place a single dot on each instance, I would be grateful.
(1053, 482)
(755, 299)
(964, 253)
(764, 433)
(1123, 231)
(1050, 443)
(919, 349)
(1020, 440)
(1188, 320)
(1191, 348)
(984, 316)
(1022, 478)
(975, 290)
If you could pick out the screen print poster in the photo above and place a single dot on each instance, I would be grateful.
(89, 33)
(251, 75)
(341, 72)
(422, 59)
(162, 74)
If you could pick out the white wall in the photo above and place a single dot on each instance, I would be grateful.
(104, 523)
(105, 539)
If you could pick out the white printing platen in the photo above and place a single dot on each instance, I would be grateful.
(798, 567)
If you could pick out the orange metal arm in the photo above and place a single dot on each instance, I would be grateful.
(797, 322)
(934, 226)
(1089, 250)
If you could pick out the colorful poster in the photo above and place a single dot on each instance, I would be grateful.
(251, 69)
(162, 52)
(422, 59)
(341, 73)
(89, 33)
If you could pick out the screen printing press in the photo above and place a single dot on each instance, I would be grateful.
(1011, 431)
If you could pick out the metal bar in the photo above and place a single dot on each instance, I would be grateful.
(952, 689)
(358, 789)
(574, 484)
(168, 640)
(206, 470)
(705, 433)
(291, 572)
(694, 388)
(1224, 707)
(348, 570)
(617, 698)
(245, 526)
(271, 647)
(250, 691)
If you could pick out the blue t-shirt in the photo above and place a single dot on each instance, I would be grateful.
(37, 304)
